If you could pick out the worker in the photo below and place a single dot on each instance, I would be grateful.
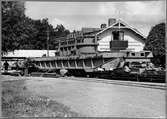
(6, 65)
(150, 66)
(126, 67)
(17, 65)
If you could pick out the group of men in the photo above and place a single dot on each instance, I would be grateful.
(6, 65)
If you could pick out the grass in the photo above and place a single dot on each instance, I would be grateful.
(17, 101)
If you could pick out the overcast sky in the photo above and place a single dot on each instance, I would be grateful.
(75, 15)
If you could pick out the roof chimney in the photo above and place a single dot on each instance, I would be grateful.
(111, 21)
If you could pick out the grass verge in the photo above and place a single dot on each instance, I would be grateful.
(17, 101)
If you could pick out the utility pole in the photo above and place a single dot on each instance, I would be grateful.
(47, 42)
(119, 20)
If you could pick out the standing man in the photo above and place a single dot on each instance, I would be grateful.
(6, 65)
(16, 65)
(126, 67)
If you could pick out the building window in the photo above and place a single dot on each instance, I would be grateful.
(115, 35)
(118, 35)
(142, 54)
(133, 54)
(93, 40)
(121, 35)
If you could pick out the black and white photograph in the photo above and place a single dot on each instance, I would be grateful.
(83, 59)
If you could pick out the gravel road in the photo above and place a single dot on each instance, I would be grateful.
(93, 99)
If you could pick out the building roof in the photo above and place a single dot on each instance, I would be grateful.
(29, 53)
(125, 25)
(90, 30)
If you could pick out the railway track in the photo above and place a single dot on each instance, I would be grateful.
(161, 86)
(108, 81)
(154, 85)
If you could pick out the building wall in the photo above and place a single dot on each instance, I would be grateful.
(87, 49)
(88, 40)
(135, 43)
(104, 42)
(29, 53)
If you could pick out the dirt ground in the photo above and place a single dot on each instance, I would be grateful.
(17, 101)
(79, 97)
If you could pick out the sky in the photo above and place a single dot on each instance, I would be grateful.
(142, 15)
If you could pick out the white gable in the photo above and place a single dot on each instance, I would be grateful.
(121, 24)
(134, 37)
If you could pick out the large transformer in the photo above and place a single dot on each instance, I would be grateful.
(79, 52)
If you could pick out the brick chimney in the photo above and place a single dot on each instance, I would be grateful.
(111, 21)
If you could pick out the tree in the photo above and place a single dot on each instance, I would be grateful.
(12, 18)
(22, 32)
(29, 31)
(61, 31)
(155, 42)
(40, 40)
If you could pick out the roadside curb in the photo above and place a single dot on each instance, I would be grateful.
(129, 83)
(106, 81)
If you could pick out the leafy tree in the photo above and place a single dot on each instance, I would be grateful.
(156, 43)
(22, 32)
(61, 31)
(12, 16)
(29, 31)
(40, 40)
